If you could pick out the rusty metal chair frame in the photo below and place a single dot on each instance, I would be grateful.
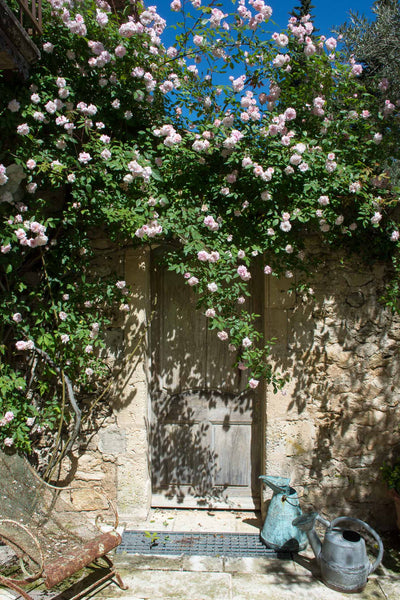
(52, 539)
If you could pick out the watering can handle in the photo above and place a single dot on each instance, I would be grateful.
(371, 531)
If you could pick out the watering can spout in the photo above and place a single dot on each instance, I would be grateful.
(306, 523)
(279, 485)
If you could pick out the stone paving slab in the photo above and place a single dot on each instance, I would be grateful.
(161, 585)
(287, 586)
(390, 587)
(178, 585)
(207, 578)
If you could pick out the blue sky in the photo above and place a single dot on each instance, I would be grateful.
(328, 13)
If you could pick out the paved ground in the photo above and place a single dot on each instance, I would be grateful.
(200, 578)
(205, 578)
(216, 578)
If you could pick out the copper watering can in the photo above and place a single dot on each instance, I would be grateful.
(278, 531)
(342, 556)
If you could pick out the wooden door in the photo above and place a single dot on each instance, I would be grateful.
(205, 425)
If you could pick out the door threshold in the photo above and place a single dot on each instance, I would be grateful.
(182, 519)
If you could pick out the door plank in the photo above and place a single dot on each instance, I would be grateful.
(203, 436)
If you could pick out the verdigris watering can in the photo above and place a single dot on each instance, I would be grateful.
(342, 556)
(278, 530)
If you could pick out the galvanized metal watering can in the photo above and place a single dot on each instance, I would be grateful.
(278, 530)
(342, 556)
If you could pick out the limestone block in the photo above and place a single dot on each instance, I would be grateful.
(355, 299)
(300, 438)
(112, 440)
(335, 354)
(278, 403)
(87, 499)
(357, 279)
(114, 341)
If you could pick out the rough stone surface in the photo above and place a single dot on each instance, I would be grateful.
(112, 441)
(156, 578)
(331, 427)
(335, 423)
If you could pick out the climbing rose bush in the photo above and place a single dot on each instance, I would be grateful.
(118, 131)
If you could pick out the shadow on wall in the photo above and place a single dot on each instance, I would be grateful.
(342, 352)
(204, 423)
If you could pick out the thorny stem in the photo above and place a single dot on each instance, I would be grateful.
(71, 397)
(50, 469)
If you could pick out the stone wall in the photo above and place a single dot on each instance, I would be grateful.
(338, 418)
(331, 427)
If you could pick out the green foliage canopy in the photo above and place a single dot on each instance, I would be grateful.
(118, 133)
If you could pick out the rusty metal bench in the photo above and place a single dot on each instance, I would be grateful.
(50, 538)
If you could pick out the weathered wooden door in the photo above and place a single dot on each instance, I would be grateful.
(205, 425)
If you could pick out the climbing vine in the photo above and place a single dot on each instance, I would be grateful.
(235, 142)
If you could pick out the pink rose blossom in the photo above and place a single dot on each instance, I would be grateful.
(243, 273)
(289, 114)
(246, 342)
(267, 270)
(101, 18)
(84, 157)
(222, 335)
(212, 287)
(39, 116)
(23, 129)
(253, 383)
(210, 222)
(14, 105)
(376, 218)
(210, 312)
(22, 345)
(17, 317)
(8, 417)
(48, 47)
(330, 44)
(330, 166)
(285, 226)
(356, 70)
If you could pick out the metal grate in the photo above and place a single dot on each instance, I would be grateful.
(199, 544)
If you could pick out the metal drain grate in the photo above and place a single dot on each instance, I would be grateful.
(200, 544)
